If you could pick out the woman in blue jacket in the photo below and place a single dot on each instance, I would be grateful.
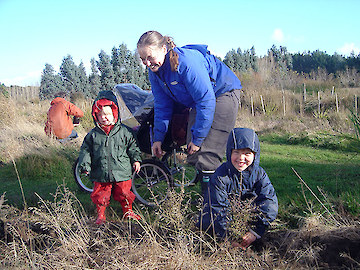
(191, 76)
(239, 177)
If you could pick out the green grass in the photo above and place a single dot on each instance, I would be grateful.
(40, 175)
(335, 171)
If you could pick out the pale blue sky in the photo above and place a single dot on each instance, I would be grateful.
(35, 32)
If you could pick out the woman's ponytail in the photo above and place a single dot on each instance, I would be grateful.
(173, 56)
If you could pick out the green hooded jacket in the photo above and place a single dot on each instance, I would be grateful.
(109, 157)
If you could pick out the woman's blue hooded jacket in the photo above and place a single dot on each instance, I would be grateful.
(250, 183)
(200, 78)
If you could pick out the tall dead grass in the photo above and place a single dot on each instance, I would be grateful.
(22, 129)
(59, 235)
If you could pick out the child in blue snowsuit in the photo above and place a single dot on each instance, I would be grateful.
(240, 175)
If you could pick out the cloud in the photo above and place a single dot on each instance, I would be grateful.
(348, 48)
(278, 35)
(29, 79)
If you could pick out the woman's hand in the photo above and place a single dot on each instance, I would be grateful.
(156, 149)
(192, 148)
(136, 166)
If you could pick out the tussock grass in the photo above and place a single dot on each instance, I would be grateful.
(54, 228)
(58, 235)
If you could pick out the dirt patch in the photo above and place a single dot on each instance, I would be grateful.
(318, 248)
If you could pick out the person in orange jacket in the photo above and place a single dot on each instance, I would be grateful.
(59, 123)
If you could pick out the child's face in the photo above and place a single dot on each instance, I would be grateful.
(105, 116)
(242, 158)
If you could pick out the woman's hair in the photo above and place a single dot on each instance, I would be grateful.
(155, 39)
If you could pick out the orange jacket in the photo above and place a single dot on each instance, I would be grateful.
(59, 122)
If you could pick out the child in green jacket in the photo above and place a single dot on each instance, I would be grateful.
(109, 154)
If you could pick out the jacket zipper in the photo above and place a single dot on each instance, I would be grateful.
(108, 158)
(167, 87)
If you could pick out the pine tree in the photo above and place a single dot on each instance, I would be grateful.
(254, 60)
(50, 84)
(84, 86)
(94, 79)
(116, 64)
(107, 74)
(229, 59)
(75, 78)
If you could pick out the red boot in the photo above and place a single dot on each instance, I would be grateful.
(127, 210)
(101, 214)
(129, 214)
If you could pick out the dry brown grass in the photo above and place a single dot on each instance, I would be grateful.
(22, 129)
(60, 235)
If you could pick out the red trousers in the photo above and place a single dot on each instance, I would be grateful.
(120, 191)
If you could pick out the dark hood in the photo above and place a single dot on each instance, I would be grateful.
(240, 138)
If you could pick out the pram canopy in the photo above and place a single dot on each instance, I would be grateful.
(137, 110)
(135, 103)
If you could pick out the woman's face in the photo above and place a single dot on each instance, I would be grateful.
(152, 57)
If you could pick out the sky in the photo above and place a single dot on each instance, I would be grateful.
(38, 32)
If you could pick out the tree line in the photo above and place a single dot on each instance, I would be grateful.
(124, 66)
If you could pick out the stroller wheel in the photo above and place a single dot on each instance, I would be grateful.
(151, 184)
(181, 172)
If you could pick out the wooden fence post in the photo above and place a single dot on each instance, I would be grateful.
(356, 105)
(304, 97)
(262, 104)
(283, 99)
(319, 105)
(252, 106)
(337, 103)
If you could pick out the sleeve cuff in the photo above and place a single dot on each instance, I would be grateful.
(254, 233)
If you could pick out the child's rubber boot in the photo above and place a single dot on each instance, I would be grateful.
(205, 181)
(129, 214)
(101, 214)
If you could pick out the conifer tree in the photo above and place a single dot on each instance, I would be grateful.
(94, 79)
(84, 86)
(241, 61)
(254, 60)
(50, 84)
(106, 71)
(75, 78)
(229, 59)
(116, 64)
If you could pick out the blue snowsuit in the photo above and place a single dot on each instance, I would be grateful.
(250, 183)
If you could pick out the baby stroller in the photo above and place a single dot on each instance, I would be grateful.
(156, 176)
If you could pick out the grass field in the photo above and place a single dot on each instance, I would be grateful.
(335, 172)
(46, 222)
